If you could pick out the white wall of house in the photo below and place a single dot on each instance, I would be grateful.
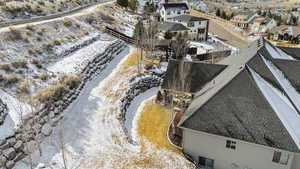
(245, 156)
(259, 28)
(167, 14)
(296, 162)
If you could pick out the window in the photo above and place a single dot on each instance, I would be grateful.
(230, 144)
(201, 30)
(206, 163)
(178, 12)
(191, 24)
(280, 157)
(168, 13)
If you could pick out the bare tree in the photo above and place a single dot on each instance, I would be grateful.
(138, 35)
(180, 46)
(150, 37)
(62, 146)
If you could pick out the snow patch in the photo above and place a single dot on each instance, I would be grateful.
(277, 53)
(16, 109)
(281, 105)
(284, 83)
(78, 60)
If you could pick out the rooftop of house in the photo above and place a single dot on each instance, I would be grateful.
(188, 18)
(175, 6)
(291, 30)
(171, 26)
(243, 16)
(262, 20)
(254, 99)
(189, 76)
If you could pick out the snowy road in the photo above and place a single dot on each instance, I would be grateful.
(37, 21)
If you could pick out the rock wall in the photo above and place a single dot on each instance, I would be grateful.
(3, 111)
(40, 124)
(138, 85)
(80, 46)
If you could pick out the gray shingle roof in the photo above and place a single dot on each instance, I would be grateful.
(175, 6)
(295, 52)
(188, 18)
(170, 26)
(234, 106)
(195, 75)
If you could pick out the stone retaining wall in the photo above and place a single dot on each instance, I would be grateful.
(3, 111)
(138, 85)
(79, 46)
(40, 124)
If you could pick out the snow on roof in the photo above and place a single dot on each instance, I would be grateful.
(284, 82)
(281, 105)
(277, 53)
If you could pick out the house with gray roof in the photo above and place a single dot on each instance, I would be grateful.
(243, 19)
(248, 115)
(198, 27)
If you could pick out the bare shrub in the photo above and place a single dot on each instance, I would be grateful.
(19, 64)
(37, 63)
(15, 34)
(24, 86)
(57, 90)
(44, 76)
(6, 67)
(67, 22)
(10, 79)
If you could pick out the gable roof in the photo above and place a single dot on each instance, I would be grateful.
(171, 26)
(253, 99)
(195, 75)
(291, 30)
(295, 52)
(175, 6)
(188, 18)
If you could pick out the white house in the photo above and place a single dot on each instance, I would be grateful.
(198, 27)
(243, 19)
(247, 116)
(261, 25)
(170, 10)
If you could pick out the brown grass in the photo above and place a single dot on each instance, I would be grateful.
(153, 125)
(57, 90)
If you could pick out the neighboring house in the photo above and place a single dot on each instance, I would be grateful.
(198, 27)
(243, 19)
(170, 10)
(248, 115)
(285, 33)
(262, 25)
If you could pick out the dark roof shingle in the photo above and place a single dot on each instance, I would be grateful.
(239, 109)
(174, 6)
(171, 26)
(195, 75)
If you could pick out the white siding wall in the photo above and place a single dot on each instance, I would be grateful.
(172, 14)
(296, 162)
(245, 156)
